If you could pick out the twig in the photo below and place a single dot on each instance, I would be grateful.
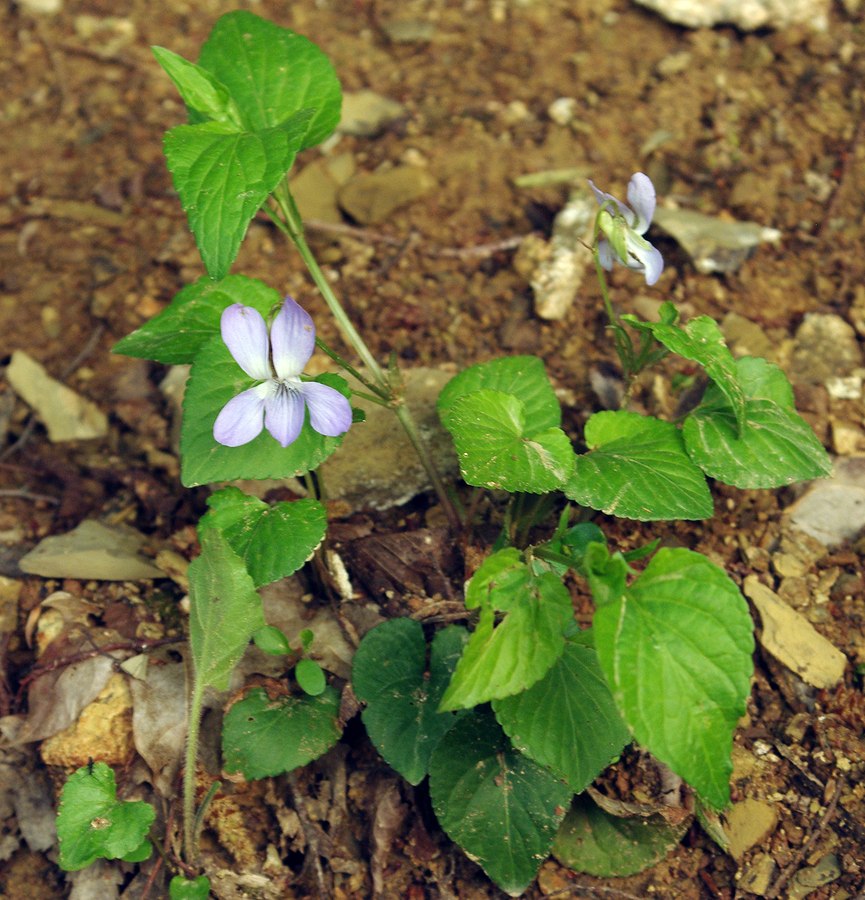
(479, 251)
(26, 495)
(137, 646)
(818, 829)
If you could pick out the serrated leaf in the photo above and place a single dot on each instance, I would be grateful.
(224, 176)
(92, 823)
(497, 449)
(523, 377)
(591, 841)
(263, 737)
(701, 340)
(175, 335)
(273, 73)
(402, 694)
(225, 610)
(501, 807)
(568, 720)
(637, 468)
(773, 447)
(504, 659)
(200, 90)
(214, 379)
(675, 648)
(273, 540)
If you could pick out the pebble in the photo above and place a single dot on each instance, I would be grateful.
(91, 550)
(42, 7)
(372, 198)
(66, 415)
(748, 823)
(747, 16)
(714, 244)
(316, 186)
(366, 113)
(562, 110)
(793, 640)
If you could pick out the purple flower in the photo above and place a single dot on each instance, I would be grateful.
(280, 401)
(623, 228)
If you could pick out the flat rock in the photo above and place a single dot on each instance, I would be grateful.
(372, 198)
(714, 245)
(366, 113)
(66, 415)
(832, 510)
(376, 467)
(316, 186)
(793, 640)
(92, 550)
(747, 16)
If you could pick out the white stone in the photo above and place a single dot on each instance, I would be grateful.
(745, 14)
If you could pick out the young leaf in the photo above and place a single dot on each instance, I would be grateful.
(675, 648)
(522, 377)
(175, 335)
(201, 92)
(310, 677)
(512, 656)
(773, 447)
(389, 674)
(637, 468)
(224, 176)
(215, 378)
(592, 841)
(497, 449)
(269, 639)
(273, 73)
(498, 805)
(568, 720)
(263, 737)
(180, 888)
(93, 823)
(701, 340)
(225, 610)
(272, 540)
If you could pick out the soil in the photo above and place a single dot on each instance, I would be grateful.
(765, 127)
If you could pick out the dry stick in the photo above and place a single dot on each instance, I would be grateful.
(478, 251)
(792, 868)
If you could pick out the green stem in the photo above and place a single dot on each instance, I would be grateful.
(190, 835)
(292, 225)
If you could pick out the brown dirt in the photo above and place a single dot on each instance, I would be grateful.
(765, 127)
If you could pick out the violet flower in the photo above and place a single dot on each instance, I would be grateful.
(280, 401)
(623, 228)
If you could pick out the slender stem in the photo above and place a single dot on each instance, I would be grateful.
(190, 834)
(382, 394)
(292, 225)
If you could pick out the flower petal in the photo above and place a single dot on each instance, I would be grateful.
(643, 257)
(292, 339)
(605, 254)
(329, 411)
(245, 335)
(603, 198)
(283, 415)
(241, 419)
(641, 196)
